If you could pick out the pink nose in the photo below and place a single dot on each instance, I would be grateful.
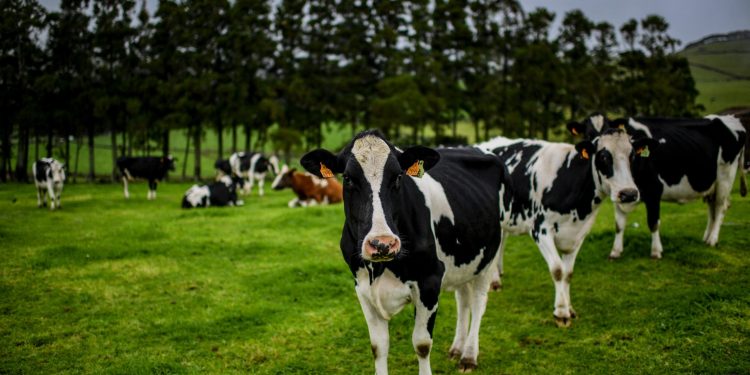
(382, 246)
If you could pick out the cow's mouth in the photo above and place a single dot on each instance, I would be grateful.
(377, 258)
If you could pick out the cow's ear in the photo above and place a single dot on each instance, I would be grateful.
(321, 163)
(576, 128)
(418, 159)
(586, 149)
(644, 146)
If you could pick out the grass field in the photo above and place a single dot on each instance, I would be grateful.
(112, 286)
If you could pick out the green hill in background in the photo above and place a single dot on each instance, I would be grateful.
(720, 65)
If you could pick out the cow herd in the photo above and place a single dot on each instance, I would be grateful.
(419, 220)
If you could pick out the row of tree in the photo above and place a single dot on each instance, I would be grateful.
(109, 67)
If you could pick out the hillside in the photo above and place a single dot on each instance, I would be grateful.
(720, 65)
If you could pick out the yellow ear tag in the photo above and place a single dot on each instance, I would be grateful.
(622, 126)
(325, 172)
(574, 131)
(416, 169)
(585, 154)
(643, 152)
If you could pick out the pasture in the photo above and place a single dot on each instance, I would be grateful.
(112, 286)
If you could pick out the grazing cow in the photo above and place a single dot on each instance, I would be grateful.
(49, 176)
(554, 193)
(152, 169)
(406, 238)
(220, 193)
(310, 189)
(253, 166)
(695, 158)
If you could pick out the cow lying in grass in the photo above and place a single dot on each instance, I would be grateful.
(49, 177)
(310, 189)
(410, 234)
(220, 193)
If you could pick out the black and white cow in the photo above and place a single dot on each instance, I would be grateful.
(253, 166)
(406, 238)
(49, 177)
(223, 168)
(220, 193)
(554, 194)
(693, 158)
(153, 169)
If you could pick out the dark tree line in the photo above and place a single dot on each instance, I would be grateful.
(109, 67)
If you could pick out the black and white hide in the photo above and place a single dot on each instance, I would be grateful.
(220, 193)
(253, 166)
(49, 178)
(554, 193)
(692, 158)
(406, 238)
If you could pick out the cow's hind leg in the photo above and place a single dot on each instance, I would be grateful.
(125, 187)
(478, 289)
(724, 181)
(425, 310)
(379, 340)
(621, 221)
(497, 276)
(39, 192)
(463, 306)
(151, 189)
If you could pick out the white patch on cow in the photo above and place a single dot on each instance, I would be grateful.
(196, 194)
(372, 153)
(277, 180)
(496, 142)
(598, 122)
(554, 155)
(618, 144)
(639, 127)
(682, 192)
(226, 180)
(662, 141)
(732, 123)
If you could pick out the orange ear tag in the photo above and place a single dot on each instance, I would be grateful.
(574, 131)
(325, 172)
(585, 154)
(416, 169)
(622, 126)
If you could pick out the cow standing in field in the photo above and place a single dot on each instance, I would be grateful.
(253, 166)
(554, 193)
(310, 189)
(694, 158)
(49, 177)
(153, 169)
(220, 193)
(405, 238)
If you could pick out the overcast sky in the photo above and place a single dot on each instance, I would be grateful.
(689, 20)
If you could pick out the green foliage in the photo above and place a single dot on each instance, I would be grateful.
(107, 285)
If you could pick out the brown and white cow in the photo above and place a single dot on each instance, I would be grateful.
(310, 189)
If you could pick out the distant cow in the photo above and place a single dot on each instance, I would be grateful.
(253, 166)
(417, 221)
(49, 177)
(223, 168)
(554, 193)
(219, 193)
(153, 169)
(310, 189)
(694, 158)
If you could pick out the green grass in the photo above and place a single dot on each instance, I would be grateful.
(112, 286)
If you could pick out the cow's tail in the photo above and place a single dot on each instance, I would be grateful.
(741, 167)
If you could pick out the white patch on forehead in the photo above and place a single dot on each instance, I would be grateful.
(372, 153)
(639, 127)
(616, 143)
(598, 122)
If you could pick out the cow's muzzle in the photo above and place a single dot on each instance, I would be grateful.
(381, 248)
(628, 195)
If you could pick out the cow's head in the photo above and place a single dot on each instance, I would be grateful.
(611, 155)
(168, 162)
(283, 178)
(373, 172)
(57, 172)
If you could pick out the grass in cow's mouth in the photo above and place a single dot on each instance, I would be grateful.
(107, 285)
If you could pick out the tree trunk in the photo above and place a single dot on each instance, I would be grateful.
(49, 141)
(187, 150)
(67, 151)
(22, 162)
(113, 139)
(92, 168)
(234, 136)
(165, 143)
(197, 148)
(220, 130)
(36, 145)
(5, 150)
(476, 130)
(247, 138)
(79, 142)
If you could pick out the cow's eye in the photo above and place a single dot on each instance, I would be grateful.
(347, 181)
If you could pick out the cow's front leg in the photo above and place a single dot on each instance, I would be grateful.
(125, 187)
(250, 183)
(58, 195)
(151, 189)
(546, 244)
(621, 221)
(569, 260)
(51, 192)
(425, 297)
(39, 193)
(379, 340)
(724, 181)
(261, 177)
(653, 207)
